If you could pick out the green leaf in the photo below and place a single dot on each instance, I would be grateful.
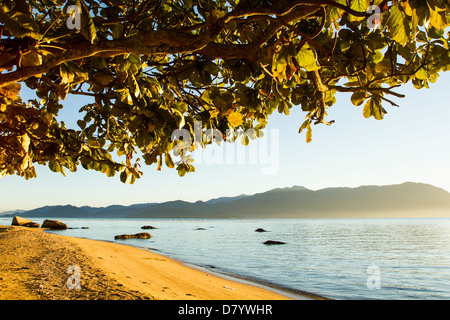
(19, 24)
(219, 102)
(245, 140)
(127, 176)
(303, 126)
(88, 29)
(359, 6)
(81, 124)
(367, 110)
(125, 96)
(47, 117)
(377, 57)
(93, 143)
(383, 66)
(279, 66)
(25, 141)
(66, 73)
(421, 74)
(103, 80)
(117, 30)
(398, 24)
(10, 90)
(182, 169)
(307, 59)
(54, 166)
(110, 171)
(168, 160)
(308, 133)
(334, 13)
(31, 59)
(373, 108)
(24, 163)
(358, 98)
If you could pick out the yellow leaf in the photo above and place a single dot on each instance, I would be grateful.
(31, 59)
(93, 143)
(398, 25)
(235, 119)
(438, 19)
(309, 134)
(10, 90)
(159, 163)
(25, 141)
(306, 58)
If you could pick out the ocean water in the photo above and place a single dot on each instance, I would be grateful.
(344, 259)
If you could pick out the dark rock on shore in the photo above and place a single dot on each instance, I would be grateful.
(31, 225)
(142, 235)
(274, 242)
(54, 224)
(19, 221)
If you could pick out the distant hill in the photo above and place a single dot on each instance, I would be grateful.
(402, 200)
(8, 213)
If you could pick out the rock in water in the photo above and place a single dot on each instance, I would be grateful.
(142, 235)
(148, 227)
(260, 230)
(274, 242)
(54, 224)
(19, 221)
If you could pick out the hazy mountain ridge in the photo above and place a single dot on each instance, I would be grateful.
(401, 200)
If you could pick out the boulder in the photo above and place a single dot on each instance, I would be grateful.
(274, 242)
(53, 224)
(200, 229)
(31, 225)
(260, 230)
(19, 221)
(142, 235)
(148, 227)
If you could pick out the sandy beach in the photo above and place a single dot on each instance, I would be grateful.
(35, 265)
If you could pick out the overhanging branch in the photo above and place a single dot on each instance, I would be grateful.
(369, 89)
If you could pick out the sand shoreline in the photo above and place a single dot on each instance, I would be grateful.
(34, 265)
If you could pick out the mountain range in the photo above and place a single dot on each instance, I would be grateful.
(401, 200)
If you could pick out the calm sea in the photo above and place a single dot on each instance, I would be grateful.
(387, 259)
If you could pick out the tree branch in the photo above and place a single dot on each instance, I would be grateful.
(168, 42)
(370, 89)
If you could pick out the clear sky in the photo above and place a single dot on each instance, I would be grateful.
(410, 144)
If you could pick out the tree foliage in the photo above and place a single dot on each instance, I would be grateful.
(155, 66)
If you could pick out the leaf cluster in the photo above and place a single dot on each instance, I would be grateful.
(151, 67)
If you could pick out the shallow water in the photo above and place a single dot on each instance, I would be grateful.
(335, 258)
